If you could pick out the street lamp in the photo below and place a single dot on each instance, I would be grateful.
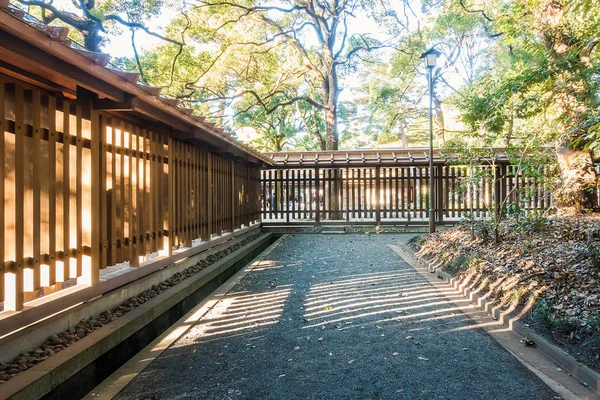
(430, 57)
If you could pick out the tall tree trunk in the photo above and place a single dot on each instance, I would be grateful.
(402, 136)
(331, 93)
(577, 189)
(331, 133)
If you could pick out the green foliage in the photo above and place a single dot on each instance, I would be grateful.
(460, 262)
(415, 241)
(545, 83)
(543, 312)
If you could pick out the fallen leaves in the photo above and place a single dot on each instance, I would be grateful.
(558, 265)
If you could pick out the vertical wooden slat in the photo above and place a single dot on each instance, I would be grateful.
(3, 128)
(318, 200)
(378, 195)
(14, 296)
(93, 276)
(114, 191)
(51, 187)
(171, 194)
(150, 182)
(304, 195)
(396, 192)
(66, 188)
(233, 196)
(123, 251)
(210, 192)
(439, 195)
(103, 192)
(155, 191)
(270, 186)
(347, 182)
(287, 195)
(79, 187)
(37, 171)
(132, 186)
(403, 200)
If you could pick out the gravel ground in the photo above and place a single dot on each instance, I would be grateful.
(336, 317)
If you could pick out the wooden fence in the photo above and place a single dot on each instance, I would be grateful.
(84, 189)
(395, 195)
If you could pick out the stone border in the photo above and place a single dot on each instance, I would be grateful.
(50, 373)
(117, 381)
(586, 376)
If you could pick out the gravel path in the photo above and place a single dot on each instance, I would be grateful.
(336, 317)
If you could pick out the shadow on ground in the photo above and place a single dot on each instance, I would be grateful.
(336, 317)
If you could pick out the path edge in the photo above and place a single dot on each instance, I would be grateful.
(581, 372)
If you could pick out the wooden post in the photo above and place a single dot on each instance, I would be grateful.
(92, 276)
(14, 284)
(3, 127)
(440, 193)
(233, 196)
(210, 193)
(499, 188)
(318, 198)
(171, 195)
(378, 195)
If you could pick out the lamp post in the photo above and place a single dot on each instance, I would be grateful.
(430, 57)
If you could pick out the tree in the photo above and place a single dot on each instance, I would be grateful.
(91, 17)
(545, 84)
(310, 41)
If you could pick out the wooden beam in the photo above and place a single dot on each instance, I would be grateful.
(26, 56)
(110, 105)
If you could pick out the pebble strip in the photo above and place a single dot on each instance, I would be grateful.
(56, 343)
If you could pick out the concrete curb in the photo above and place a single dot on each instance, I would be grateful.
(584, 374)
(47, 375)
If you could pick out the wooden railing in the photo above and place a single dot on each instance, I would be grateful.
(86, 189)
(395, 195)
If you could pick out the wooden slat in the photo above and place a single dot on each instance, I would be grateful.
(36, 183)
(95, 193)
(16, 302)
(132, 198)
(66, 186)
(377, 195)
(171, 195)
(51, 188)
(211, 183)
(104, 238)
(114, 192)
(79, 187)
(3, 127)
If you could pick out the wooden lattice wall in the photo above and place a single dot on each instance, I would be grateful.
(84, 190)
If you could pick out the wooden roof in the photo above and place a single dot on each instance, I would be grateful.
(358, 158)
(43, 56)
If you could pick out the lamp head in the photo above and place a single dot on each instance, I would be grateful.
(430, 57)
